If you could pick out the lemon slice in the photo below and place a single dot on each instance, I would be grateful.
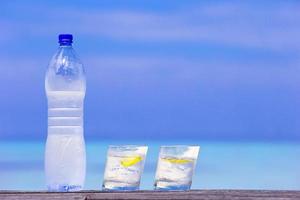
(130, 161)
(177, 161)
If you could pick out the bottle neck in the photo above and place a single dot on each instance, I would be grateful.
(65, 44)
(66, 47)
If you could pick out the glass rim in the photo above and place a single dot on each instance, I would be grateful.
(129, 145)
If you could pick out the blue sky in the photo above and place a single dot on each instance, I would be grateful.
(220, 70)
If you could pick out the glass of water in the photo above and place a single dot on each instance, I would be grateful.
(124, 167)
(175, 167)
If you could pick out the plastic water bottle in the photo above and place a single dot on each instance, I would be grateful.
(65, 84)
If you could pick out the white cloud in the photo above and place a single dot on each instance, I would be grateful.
(195, 73)
(236, 24)
(274, 26)
(179, 72)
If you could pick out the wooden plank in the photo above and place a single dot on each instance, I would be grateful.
(147, 195)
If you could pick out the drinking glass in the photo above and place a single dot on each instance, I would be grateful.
(175, 168)
(124, 167)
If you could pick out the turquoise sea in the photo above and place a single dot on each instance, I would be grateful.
(234, 165)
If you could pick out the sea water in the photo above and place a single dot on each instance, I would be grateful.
(265, 165)
(65, 159)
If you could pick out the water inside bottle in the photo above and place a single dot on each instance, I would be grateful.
(65, 148)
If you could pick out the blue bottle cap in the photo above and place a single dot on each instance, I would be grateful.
(65, 39)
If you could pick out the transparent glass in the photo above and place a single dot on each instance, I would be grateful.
(65, 71)
(124, 167)
(175, 168)
(65, 156)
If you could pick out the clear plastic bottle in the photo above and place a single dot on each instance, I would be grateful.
(65, 84)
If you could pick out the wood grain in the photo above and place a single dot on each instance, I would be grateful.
(193, 194)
